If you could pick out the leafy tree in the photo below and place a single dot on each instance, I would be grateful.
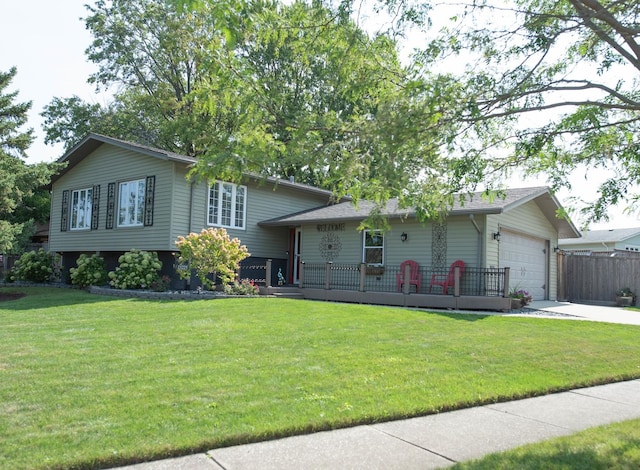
(67, 120)
(21, 200)
(155, 57)
(280, 90)
(553, 85)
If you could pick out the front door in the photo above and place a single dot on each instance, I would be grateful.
(297, 245)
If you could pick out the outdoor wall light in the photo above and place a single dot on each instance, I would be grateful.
(496, 236)
(404, 237)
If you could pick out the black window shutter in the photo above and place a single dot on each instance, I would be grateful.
(95, 207)
(150, 189)
(64, 218)
(111, 204)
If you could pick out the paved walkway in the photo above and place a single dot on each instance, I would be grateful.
(439, 441)
(598, 313)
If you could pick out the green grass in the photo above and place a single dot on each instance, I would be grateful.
(612, 446)
(89, 381)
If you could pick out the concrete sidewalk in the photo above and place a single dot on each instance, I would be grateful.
(434, 441)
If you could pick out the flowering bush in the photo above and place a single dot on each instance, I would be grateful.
(211, 252)
(138, 269)
(90, 271)
(523, 295)
(244, 287)
(37, 266)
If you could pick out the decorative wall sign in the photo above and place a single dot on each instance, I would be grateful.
(330, 246)
(330, 227)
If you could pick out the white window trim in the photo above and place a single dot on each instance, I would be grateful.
(234, 200)
(88, 200)
(139, 202)
(365, 247)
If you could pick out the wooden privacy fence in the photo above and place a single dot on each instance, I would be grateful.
(596, 278)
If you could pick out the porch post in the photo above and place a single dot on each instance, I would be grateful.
(301, 274)
(406, 287)
(456, 281)
(268, 273)
(506, 282)
(327, 275)
(363, 275)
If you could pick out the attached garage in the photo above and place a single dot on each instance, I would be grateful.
(527, 257)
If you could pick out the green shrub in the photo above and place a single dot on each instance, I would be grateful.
(161, 284)
(90, 271)
(37, 266)
(9, 276)
(138, 269)
(244, 287)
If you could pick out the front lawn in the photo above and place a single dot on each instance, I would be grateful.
(88, 381)
(612, 446)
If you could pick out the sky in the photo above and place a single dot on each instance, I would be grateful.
(46, 40)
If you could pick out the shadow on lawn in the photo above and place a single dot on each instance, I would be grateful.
(459, 316)
(29, 298)
(562, 455)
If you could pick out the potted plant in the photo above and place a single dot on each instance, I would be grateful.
(519, 298)
(625, 297)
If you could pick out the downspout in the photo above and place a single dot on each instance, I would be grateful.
(190, 205)
(479, 247)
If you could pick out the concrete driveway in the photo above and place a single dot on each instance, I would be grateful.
(571, 311)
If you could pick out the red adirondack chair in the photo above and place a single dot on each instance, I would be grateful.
(415, 277)
(446, 281)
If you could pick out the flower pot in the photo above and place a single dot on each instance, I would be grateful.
(516, 304)
(624, 301)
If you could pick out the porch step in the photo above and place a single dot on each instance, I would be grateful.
(288, 295)
(284, 292)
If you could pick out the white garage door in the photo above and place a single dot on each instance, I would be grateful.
(528, 262)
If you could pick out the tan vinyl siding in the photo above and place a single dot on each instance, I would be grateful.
(109, 164)
(350, 240)
(263, 203)
(526, 219)
(462, 242)
(180, 207)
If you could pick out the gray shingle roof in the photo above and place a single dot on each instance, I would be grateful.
(93, 141)
(603, 236)
(476, 204)
(347, 211)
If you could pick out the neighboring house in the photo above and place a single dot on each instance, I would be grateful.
(40, 238)
(520, 232)
(115, 195)
(596, 241)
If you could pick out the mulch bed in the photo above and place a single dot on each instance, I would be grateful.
(5, 296)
